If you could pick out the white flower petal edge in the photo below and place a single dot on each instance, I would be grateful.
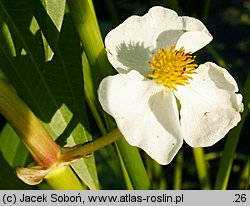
(209, 105)
(146, 115)
(130, 45)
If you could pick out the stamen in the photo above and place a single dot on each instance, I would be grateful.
(172, 67)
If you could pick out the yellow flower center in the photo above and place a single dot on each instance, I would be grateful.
(172, 67)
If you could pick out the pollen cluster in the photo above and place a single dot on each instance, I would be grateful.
(172, 67)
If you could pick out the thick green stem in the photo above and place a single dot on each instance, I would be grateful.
(63, 178)
(39, 143)
(90, 36)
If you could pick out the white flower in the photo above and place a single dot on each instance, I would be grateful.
(160, 97)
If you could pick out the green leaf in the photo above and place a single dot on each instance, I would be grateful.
(54, 20)
(13, 150)
(134, 165)
(54, 89)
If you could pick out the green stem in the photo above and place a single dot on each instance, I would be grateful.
(140, 181)
(135, 167)
(74, 153)
(201, 168)
(178, 171)
(63, 178)
(83, 150)
(159, 176)
(41, 146)
(87, 28)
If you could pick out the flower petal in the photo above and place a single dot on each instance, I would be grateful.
(130, 45)
(146, 115)
(193, 40)
(209, 105)
(181, 31)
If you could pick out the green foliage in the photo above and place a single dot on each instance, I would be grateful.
(13, 151)
(42, 61)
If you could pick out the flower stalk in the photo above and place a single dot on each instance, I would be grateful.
(78, 151)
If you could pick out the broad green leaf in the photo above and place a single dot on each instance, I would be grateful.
(53, 89)
(51, 12)
(13, 150)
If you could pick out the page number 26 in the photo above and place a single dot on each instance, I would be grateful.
(240, 198)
